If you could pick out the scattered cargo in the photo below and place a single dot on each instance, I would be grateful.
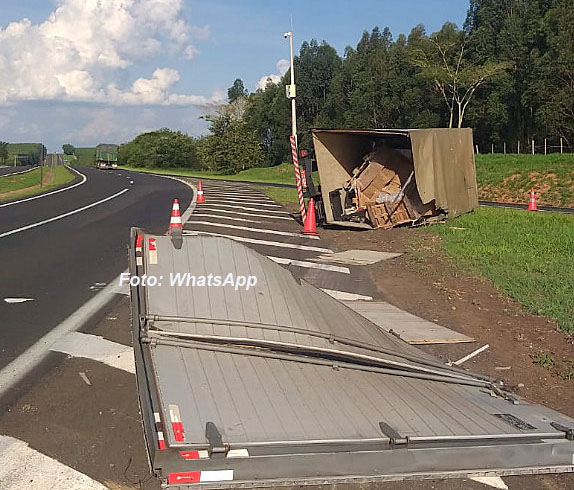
(384, 178)
(106, 156)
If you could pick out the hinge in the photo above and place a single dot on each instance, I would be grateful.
(395, 439)
(217, 448)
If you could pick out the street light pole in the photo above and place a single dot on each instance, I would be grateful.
(291, 91)
(291, 94)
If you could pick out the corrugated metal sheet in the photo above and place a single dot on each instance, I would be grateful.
(253, 399)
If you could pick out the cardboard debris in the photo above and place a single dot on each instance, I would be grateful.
(384, 184)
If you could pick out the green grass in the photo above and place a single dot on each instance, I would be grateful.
(510, 177)
(86, 156)
(280, 174)
(28, 184)
(285, 195)
(529, 256)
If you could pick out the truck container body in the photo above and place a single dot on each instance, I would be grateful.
(106, 156)
(281, 384)
(386, 177)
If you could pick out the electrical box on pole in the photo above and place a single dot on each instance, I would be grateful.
(291, 91)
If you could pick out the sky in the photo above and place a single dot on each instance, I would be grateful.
(91, 71)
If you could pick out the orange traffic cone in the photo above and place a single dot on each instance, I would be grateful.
(175, 224)
(532, 202)
(200, 196)
(310, 226)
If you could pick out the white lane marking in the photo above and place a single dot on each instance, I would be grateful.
(310, 265)
(18, 173)
(256, 241)
(17, 300)
(242, 198)
(227, 211)
(83, 181)
(218, 205)
(254, 203)
(345, 296)
(491, 481)
(23, 467)
(255, 230)
(14, 372)
(69, 213)
(77, 344)
(218, 209)
(225, 217)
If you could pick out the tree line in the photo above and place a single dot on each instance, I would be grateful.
(508, 73)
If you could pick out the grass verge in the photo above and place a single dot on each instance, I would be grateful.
(28, 184)
(280, 174)
(508, 178)
(84, 156)
(527, 255)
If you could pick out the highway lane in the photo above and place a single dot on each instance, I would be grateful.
(14, 170)
(55, 264)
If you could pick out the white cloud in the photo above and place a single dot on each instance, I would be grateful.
(282, 67)
(77, 52)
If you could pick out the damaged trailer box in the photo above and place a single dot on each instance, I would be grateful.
(380, 178)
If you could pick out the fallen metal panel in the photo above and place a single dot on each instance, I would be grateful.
(307, 388)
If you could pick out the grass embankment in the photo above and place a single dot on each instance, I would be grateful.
(527, 255)
(28, 184)
(509, 178)
(85, 156)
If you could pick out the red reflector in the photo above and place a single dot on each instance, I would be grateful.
(178, 431)
(186, 477)
(189, 454)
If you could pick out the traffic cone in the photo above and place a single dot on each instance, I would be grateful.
(532, 202)
(200, 196)
(175, 224)
(310, 226)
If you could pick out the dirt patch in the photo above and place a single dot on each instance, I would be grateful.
(527, 352)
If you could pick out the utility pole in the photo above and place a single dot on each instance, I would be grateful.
(300, 179)
(291, 90)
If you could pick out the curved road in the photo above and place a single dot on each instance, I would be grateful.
(58, 262)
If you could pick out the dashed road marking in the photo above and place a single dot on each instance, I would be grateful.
(17, 300)
(227, 211)
(266, 243)
(254, 230)
(345, 296)
(310, 265)
(222, 205)
(77, 344)
(24, 467)
(258, 203)
(244, 220)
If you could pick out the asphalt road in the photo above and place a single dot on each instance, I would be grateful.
(14, 170)
(57, 264)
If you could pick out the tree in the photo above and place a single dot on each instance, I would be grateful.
(3, 151)
(160, 149)
(442, 60)
(231, 146)
(236, 91)
(68, 149)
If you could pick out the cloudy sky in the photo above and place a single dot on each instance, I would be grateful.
(89, 71)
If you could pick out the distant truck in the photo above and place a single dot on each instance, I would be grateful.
(106, 156)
